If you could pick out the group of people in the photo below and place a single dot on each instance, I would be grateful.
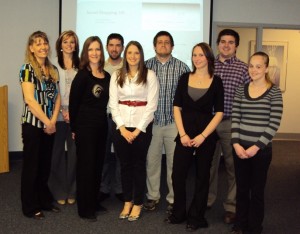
(221, 107)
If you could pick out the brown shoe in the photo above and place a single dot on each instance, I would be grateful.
(229, 217)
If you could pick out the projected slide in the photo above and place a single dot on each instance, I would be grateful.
(141, 20)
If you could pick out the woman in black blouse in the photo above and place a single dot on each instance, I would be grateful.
(198, 109)
(88, 121)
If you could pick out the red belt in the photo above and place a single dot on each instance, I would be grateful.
(133, 103)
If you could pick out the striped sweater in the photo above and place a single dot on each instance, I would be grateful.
(255, 120)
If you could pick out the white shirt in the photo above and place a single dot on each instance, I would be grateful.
(130, 116)
(66, 78)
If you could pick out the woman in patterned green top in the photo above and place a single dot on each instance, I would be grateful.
(39, 82)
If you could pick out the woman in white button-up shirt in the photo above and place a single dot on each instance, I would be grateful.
(133, 100)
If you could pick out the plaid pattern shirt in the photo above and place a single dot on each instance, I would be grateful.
(168, 75)
(233, 73)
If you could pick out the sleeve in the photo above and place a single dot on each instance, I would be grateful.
(275, 119)
(178, 98)
(27, 73)
(77, 89)
(114, 101)
(186, 69)
(152, 101)
(219, 98)
(236, 115)
(246, 76)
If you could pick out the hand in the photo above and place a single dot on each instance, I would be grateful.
(197, 141)
(50, 128)
(73, 135)
(129, 136)
(186, 141)
(240, 151)
(65, 115)
(252, 151)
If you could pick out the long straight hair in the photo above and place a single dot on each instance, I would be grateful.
(75, 56)
(142, 69)
(30, 57)
(209, 55)
(84, 57)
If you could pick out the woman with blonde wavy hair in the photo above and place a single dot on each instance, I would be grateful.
(39, 82)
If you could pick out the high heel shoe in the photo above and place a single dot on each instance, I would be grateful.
(134, 217)
(126, 210)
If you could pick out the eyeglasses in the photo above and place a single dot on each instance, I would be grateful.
(163, 42)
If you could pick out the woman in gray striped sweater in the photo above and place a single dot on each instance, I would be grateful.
(256, 116)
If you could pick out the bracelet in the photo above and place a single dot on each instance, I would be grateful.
(203, 135)
(183, 135)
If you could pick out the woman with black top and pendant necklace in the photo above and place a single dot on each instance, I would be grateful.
(199, 94)
(39, 82)
(133, 97)
(88, 121)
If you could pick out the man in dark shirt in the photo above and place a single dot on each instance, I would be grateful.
(233, 73)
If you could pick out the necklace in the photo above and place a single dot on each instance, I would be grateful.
(131, 76)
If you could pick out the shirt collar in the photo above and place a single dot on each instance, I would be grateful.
(170, 59)
(231, 60)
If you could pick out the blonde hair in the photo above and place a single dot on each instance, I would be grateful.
(30, 58)
(266, 60)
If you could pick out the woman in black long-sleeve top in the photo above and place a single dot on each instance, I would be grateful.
(88, 121)
(199, 94)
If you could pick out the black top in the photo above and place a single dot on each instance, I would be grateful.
(196, 115)
(88, 100)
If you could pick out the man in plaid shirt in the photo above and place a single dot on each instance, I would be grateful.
(168, 70)
(233, 73)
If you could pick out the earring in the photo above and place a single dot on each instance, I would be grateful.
(61, 50)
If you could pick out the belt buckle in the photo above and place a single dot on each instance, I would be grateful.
(133, 103)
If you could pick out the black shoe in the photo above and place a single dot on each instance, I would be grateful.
(236, 230)
(173, 220)
(39, 215)
(91, 218)
(52, 209)
(101, 209)
(191, 228)
(203, 223)
(169, 208)
(103, 196)
(151, 205)
(120, 196)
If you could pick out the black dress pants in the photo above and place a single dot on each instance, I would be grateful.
(37, 153)
(90, 148)
(251, 177)
(133, 163)
(183, 158)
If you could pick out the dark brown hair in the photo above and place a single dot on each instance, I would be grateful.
(84, 58)
(209, 54)
(142, 70)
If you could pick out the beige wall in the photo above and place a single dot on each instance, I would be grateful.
(18, 19)
(291, 95)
